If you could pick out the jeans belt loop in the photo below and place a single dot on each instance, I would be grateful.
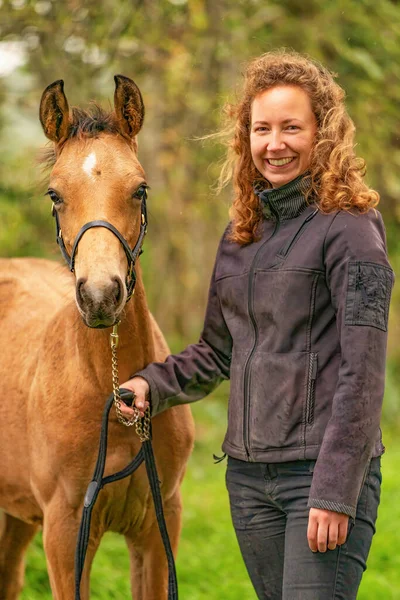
(272, 470)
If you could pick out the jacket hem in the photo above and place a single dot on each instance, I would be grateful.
(274, 455)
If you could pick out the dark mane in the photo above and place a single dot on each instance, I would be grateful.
(91, 122)
(84, 124)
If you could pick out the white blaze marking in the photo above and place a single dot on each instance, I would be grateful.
(89, 164)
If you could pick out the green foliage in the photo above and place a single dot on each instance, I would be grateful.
(22, 226)
(187, 57)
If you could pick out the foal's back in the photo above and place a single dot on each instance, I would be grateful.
(32, 291)
(42, 281)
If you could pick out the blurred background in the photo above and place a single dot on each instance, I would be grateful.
(187, 57)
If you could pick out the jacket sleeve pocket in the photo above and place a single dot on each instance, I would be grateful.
(368, 294)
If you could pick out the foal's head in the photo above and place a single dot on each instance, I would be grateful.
(97, 176)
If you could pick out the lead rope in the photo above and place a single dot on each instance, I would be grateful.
(142, 426)
(143, 430)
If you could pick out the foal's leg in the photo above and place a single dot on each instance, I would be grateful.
(149, 569)
(15, 536)
(136, 559)
(60, 532)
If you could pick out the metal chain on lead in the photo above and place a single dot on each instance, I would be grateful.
(142, 426)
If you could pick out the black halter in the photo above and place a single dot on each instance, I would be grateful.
(131, 254)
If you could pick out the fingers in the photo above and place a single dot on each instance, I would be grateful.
(140, 388)
(322, 536)
(342, 536)
(312, 533)
(333, 534)
(326, 530)
(140, 405)
(129, 412)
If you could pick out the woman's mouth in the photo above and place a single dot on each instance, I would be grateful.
(280, 162)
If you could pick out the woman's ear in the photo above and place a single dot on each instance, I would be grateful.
(54, 112)
(128, 104)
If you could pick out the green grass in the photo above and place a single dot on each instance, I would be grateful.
(382, 578)
(209, 564)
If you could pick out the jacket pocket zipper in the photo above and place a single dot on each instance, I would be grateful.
(312, 376)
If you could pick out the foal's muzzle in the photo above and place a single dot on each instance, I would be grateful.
(100, 307)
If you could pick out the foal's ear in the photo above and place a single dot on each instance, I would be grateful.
(54, 112)
(128, 104)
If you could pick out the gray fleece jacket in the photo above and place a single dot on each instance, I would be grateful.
(298, 322)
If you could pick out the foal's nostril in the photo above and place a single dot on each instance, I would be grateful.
(117, 290)
(80, 290)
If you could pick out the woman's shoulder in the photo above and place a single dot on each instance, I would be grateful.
(357, 233)
(225, 237)
(223, 240)
(356, 222)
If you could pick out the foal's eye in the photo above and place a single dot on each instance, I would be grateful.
(140, 192)
(54, 197)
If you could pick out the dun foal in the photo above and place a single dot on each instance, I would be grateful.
(55, 370)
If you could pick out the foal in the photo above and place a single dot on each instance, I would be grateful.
(55, 371)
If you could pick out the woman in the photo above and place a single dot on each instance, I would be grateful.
(297, 320)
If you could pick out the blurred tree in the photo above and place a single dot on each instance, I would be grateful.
(187, 57)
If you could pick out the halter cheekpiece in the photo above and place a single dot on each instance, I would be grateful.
(131, 254)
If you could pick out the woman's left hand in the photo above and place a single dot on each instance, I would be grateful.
(326, 529)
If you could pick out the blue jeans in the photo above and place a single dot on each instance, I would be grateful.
(270, 515)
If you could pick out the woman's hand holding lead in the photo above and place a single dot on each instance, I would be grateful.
(141, 389)
(326, 529)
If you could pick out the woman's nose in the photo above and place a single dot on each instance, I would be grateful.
(275, 142)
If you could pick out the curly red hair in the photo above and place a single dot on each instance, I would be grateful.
(336, 172)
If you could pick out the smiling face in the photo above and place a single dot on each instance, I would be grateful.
(283, 128)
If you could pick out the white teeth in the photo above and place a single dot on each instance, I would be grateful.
(280, 162)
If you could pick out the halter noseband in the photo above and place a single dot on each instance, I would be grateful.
(131, 254)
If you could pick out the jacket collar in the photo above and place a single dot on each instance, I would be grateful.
(285, 202)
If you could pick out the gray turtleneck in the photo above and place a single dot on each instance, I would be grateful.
(285, 202)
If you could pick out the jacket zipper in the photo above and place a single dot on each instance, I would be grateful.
(286, 249)
(249, 358)
(312, 377)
